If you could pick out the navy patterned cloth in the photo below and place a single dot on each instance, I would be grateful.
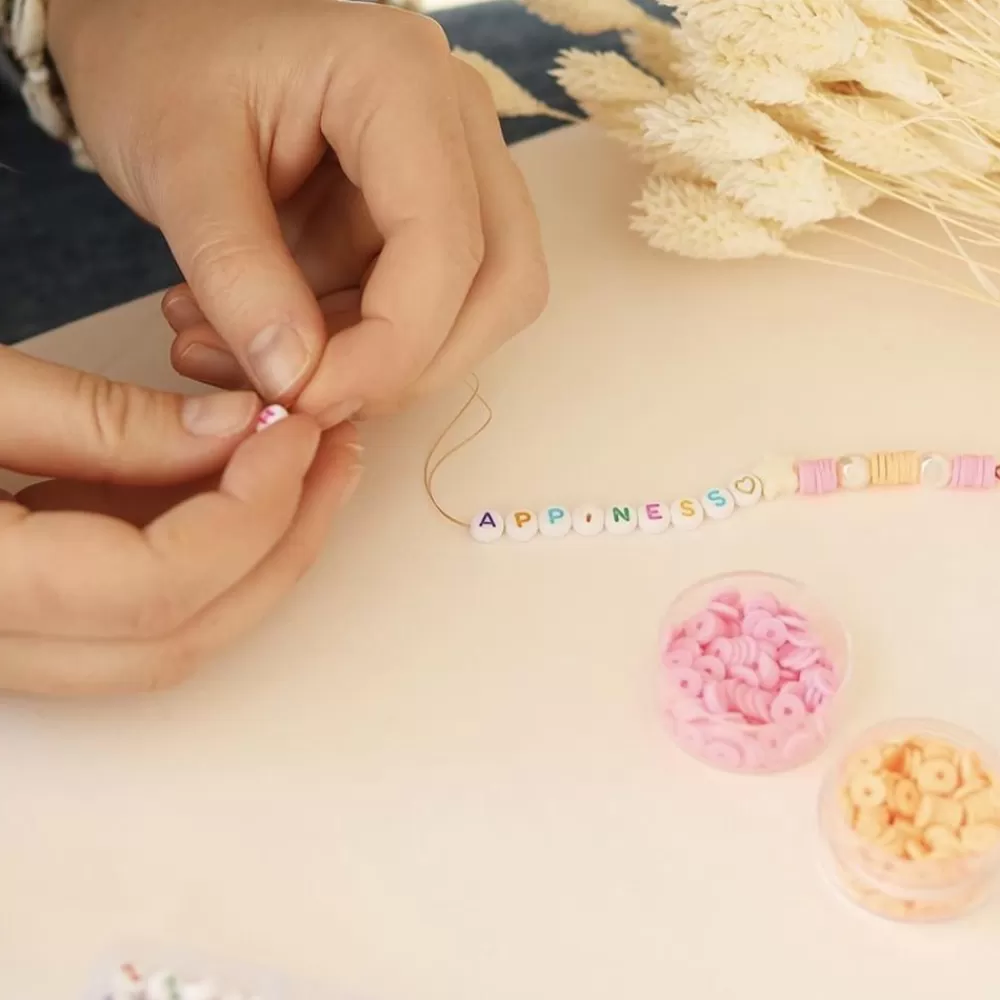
(69, 248)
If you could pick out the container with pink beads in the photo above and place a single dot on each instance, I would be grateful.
(752, 667)
(910, 821)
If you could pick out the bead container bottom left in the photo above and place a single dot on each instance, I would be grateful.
(143, 972)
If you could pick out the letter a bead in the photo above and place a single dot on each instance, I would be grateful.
(487, 526)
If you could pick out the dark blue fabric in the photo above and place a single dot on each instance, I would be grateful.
(69, 248)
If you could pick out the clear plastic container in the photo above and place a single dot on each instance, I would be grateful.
(232, 979)
(769, 741)
(886, 879)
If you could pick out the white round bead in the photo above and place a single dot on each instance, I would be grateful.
(718, 503)
(588, 520)
(487, 526)
(621, 519)
(778, 477)
(161, 986)
(522, 525)
(748, 491)
(203, 990)
(935, 471)
(654, 517)
(687, 513)
(555, 522)
(854, 472)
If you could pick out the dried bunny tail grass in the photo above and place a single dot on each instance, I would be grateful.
(865, 132)
(744, 76)
(711, 127)
(654, 47)
(792, 188)
(694, 220)
(883, 11)
(808, 34)
(887, 65)
(974, 93)
(587, 17)
(509, 97)
(604, 77)
(855, 194)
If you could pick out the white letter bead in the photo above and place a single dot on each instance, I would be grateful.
(654, 517)
(487, 526)
(854, 472)
(588, 520)
(718, 503)
(621, 519)
(687, 513)
(522, 525)
(748, 491)
(935, 471)
(555, 522)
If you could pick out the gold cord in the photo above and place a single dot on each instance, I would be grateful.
(432, 465)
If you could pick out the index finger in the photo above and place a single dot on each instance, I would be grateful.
(86, 575)
(403, 144)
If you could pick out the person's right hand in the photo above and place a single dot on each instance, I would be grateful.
(171, 530)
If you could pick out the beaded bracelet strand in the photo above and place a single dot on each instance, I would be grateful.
(770, 480)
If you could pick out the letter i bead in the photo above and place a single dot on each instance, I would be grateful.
(588, 520)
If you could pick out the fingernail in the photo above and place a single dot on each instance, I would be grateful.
(353, 481)
(210, 364)
(182, 312)
(338, 413)
(278, 359)
(221, 414)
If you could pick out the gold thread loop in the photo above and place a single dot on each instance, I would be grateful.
(432, 465)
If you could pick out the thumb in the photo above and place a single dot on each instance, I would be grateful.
(217, 215)
(58, 422)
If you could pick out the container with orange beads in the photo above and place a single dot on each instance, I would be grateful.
(910, 818)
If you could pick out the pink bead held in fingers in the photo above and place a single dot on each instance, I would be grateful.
(751, 675)
(270, 416)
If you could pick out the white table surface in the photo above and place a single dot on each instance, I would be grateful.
(438, 772)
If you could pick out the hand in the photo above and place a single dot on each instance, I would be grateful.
(332, 182)
(171, 532)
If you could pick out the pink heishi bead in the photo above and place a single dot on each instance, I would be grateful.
(722, 648)
(711, 666)
(685, 642)
(771, 630)
(753, 618)
(703, 628)
(687, 709)
(787, 710)
(768, 672)
(765, 601)
(745, 674)
(715, 697)
(678, 659)
(723, 753)
(685, 681)
(730, 597)
(725, 611)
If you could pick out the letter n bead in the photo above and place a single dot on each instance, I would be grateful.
(622, 519)
(487, 526)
